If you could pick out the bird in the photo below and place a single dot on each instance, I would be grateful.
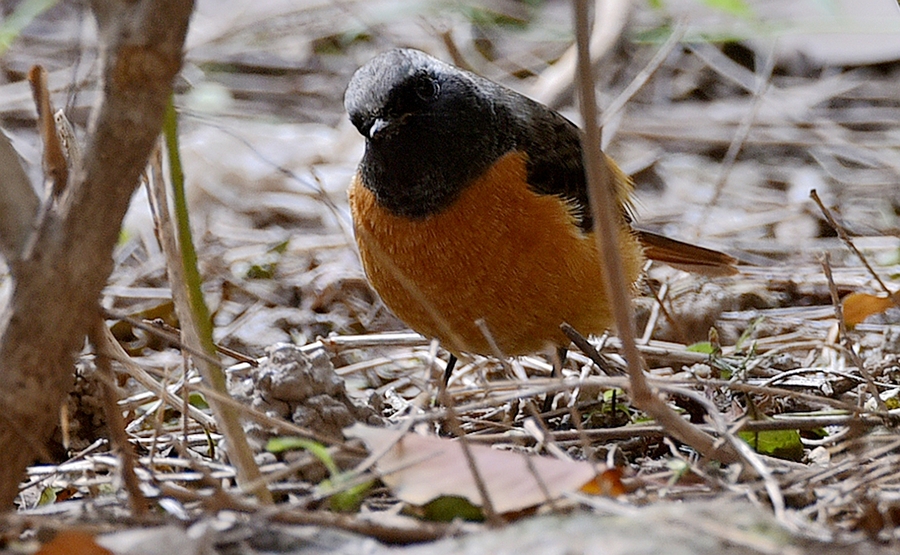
(471, 214)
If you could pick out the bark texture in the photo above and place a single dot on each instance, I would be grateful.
(64, 263)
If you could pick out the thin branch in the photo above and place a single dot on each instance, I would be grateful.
(554, 85)
(453, 421)
(842, 233)
(588, 349)
(56, 168)
(842, 328)
(184, 278)
(115, 423)
(603, 203)
(743, 131)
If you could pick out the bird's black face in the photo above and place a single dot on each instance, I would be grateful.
(413, 98)
(393, 87)
(428, 129)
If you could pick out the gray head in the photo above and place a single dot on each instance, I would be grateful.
(430, 128)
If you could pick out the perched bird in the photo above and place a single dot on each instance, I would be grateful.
(470, 209)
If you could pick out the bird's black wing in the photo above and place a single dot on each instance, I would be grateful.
(553, 146)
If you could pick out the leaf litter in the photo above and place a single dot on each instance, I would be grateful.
(268, 164)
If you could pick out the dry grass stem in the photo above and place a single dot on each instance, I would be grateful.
(115, 422)
(602, 205)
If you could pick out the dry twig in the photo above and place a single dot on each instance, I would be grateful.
(599, 178)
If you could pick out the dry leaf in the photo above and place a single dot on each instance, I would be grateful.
(608, 483)
(859, 306)
(420, 468)
(73, 542)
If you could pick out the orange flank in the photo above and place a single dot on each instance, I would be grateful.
(500, 254)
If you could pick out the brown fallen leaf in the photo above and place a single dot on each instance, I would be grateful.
(608, 483)
(859, 306)
(419, 469)
(72, 542)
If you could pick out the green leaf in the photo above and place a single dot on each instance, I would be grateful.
(346, 500)
(48, 496)
(485, 17)
(613, 393)
(783, 444)
(11, 27)
(281, 444)
(704, 347)
(349, 501)
(267, 264)
(679, 469)
(261, 271)
(816, 433)
(734, 7)
(196, 399)
(748, 333)
(451, 507)
(281, 248)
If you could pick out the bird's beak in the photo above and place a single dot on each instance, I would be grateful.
(377, 126)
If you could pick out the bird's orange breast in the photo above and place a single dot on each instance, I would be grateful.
(500, 254)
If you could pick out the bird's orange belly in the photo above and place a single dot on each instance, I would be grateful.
(501, 261)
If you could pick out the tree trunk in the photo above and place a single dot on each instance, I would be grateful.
(59, 275)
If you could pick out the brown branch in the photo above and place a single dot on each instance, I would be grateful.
(588, 349)
(603, 203)
(786, 422)
(404, 533)
(555, 84)
(56, 168)
(54, 302)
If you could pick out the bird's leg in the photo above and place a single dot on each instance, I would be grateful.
(561, 354)
(451, 364)
(558, 362)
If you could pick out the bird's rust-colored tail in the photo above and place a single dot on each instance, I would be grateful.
(686, 256)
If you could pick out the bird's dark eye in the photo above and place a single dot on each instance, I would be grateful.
(427, 88)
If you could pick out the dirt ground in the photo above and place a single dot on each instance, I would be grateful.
(726, 117)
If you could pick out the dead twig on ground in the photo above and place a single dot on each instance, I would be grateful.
(114, 421)
(603, 202)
